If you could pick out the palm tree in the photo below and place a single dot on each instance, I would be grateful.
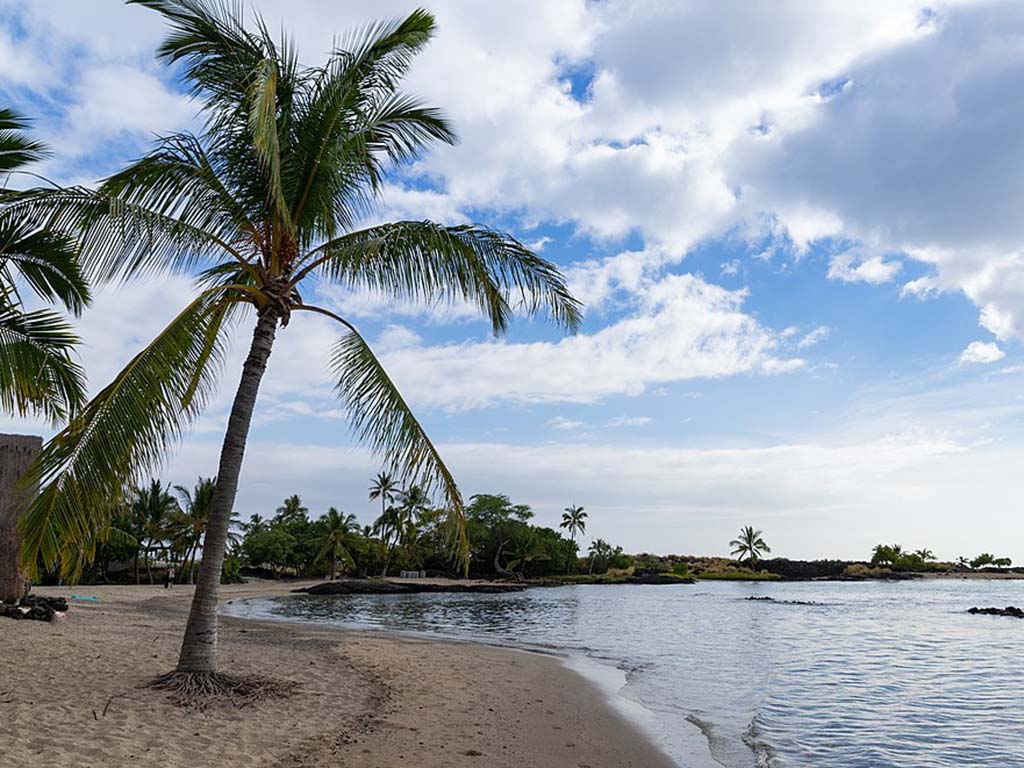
(339, 531)
(189, 525)
(599, 548)
(574, 519)
(749, 546)
(38, 375)
(524, 554)
(267, 198)
(398, 524)
(256, 524)
(153, 506)
(882, 554)
(292, 509)
(384, 488)
(388, 527)
(925, 554)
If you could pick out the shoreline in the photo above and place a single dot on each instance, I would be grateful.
(71, 694)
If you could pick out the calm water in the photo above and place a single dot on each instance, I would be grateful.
(873, 675)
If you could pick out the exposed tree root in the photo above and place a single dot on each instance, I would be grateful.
(201, 689)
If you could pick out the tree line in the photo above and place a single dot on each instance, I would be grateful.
(160, 525)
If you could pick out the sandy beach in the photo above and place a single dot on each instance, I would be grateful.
(72, 694)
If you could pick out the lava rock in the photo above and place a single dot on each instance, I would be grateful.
(1010, 610)
(368, 587)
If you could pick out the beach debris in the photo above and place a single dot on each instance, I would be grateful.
(35, 608)
(1010, 610)
(85, 598)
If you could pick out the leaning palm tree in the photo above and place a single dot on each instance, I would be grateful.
(574, 519)
(339, 530)
(262, 203)
(749, 546)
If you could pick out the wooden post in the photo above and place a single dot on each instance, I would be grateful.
(16, 454)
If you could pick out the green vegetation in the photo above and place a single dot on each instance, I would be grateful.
(749, 546)
(258, 206)
(38, 375)
(409, 534)
(894, 558)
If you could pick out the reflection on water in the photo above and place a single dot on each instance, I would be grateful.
(877, 675)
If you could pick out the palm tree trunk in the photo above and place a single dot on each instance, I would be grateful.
(387, 561)
(199, 647)
(16, 454)
(334, 568)
(149, 561)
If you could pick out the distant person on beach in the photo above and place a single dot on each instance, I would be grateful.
(168, 578)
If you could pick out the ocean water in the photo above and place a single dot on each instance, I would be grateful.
(871, 675)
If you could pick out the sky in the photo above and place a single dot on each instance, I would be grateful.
(796, 229)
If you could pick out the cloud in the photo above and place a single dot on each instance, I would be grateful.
(630, 421)
(816, 336)
(981, 352)
(913, 157)
(853, 267)
(560, 422)
(683, 329)
(689, 500)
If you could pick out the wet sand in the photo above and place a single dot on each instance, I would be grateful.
(73, 693)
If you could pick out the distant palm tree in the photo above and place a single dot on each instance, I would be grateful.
(749, 546)
(599, 548)
(292, 509)
(261, 205)
(384, 488)
(882, 554)
(574, 519)
(524, 554)
(925, 554)
(189, 525)
(256, 524)
(389, 528)
(153, 506)
(339, 530)
(399, 524)
(963, 562)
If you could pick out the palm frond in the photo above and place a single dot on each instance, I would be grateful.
(46, 260)
(118, 239)
(16, 148)
(123, 432)
(425, 262)
(382, 419)
(37, 372)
